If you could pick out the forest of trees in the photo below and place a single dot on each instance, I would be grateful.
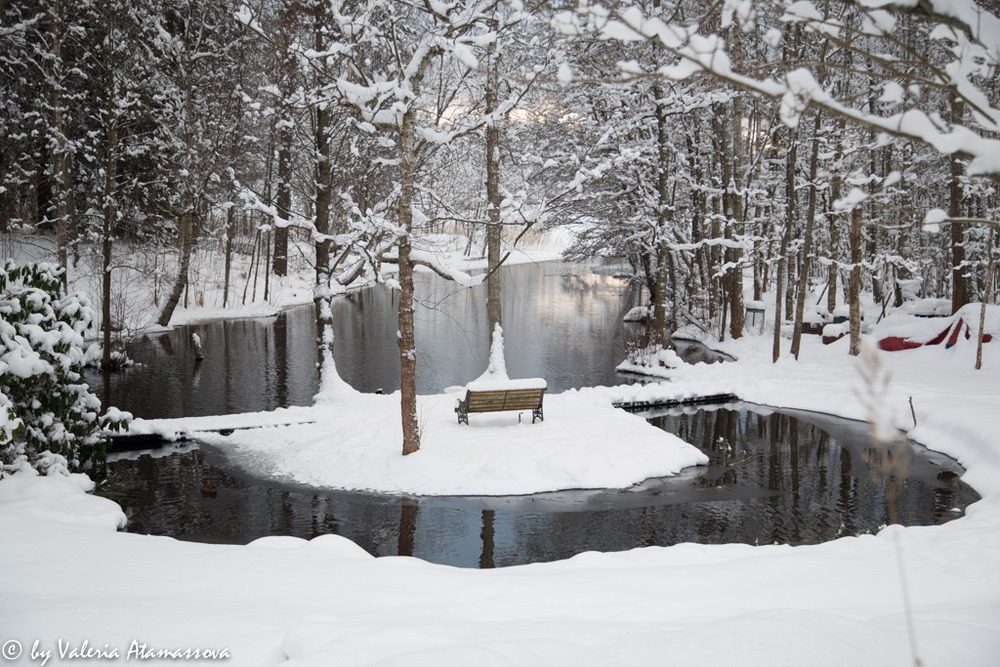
(813, 150)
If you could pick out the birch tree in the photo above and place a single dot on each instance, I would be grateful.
(389, 57)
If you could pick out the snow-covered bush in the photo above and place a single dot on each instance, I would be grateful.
(49, 420)
(655, 356)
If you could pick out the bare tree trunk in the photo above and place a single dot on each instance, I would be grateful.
(323, 167)
(284, 195)
(494, 308)
(782, 279)
(716, 227)
(181, 282)
(986, 297)
(323, 197)
(800, 302)
(701, 256)
(406, 338)
(854, 286)
(405, 335)
(267, 265)
(283, 127)
(759, 264)
(230, 231)
(253, 263)
(833, 271)
(323, 202)
(187, 215)
(903, 248)
(735, 212)
(110, 212)
(325, 338)
(283, 204)
(778, 295)
(791, 282)
(60, 150)
(659, 334)
(727, 126)
(960, 284)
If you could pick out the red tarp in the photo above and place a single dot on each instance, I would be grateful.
(949, 337)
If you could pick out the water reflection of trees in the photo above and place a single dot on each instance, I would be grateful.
(829, 486)
(251, 364)
(571, 338)
(407, 527)
(488, 536)
(771, 478)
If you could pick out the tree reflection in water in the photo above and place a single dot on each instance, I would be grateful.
(793, 478)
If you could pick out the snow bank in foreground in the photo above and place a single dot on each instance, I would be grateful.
(326, 602)
(60, 499)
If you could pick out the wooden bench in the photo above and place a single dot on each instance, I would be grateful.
(501, 396)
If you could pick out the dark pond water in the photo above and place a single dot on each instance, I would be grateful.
(774, 477)
(563, 322)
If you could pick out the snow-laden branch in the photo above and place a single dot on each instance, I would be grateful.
(368, 237)
(23, 26)
(977, 23)
(435, 263)
(709, 243)
(252, 202)
(937, 217)
(694, 53)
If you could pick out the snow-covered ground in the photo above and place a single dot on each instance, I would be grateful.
(920, 593)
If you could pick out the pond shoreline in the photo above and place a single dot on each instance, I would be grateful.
(446, 529)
